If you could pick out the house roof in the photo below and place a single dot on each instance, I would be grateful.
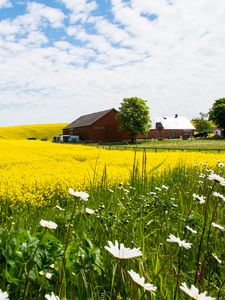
(89, 119)
(176, 122)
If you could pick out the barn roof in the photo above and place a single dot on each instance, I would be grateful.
(176, 122)
(89, 119)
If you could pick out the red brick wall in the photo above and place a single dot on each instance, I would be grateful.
(105, 129)
(169, 133)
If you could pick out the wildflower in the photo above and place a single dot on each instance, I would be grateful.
(89, 211)
(111, 191)
(217, 178)
(48, 275)
(41, 273)
(221, 165)
(216, 194)
(48, 224)
(122, 252)
(201, 199)
(157, 188)
(216, 258)
(51, 297)
(218, 226)
(152, 193)
(173, 239)
(165, 187)
(191, 229)
(82, 195)
(59, 207)
(52, 266)
(4, 295)
(141, 281)
(194, 293)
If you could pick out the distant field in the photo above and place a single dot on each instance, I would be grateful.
(187, 144)
(194, 144)
(38, 131)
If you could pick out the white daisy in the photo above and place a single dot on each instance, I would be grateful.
(216, 258)
(216, 194)
(48, 275)
(191, 229)
(48, 224)
(4, 295)
(201, 199)
(173, 239)
(89, 211)
(122, 252)
(141, 281)
(52, 297)
(59, 207)
(82, 195)
(217, 178)
(218, 226)
(194, 293)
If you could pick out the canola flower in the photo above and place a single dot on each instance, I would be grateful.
(35, 173)
(48, 224)
(193, 292)
(173, 239)
(122, 252)
(4, 295)
(141, 281)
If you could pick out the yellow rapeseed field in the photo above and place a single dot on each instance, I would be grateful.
(35, 172)
(39, 131)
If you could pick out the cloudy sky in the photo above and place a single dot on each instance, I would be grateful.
(60, 59)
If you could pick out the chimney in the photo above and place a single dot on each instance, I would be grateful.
(176, 116)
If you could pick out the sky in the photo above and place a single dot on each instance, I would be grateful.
(60, 59)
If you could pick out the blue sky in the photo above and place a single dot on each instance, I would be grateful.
(65, 58)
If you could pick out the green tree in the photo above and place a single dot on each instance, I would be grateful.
(134, 117)
(217, 113)
(201, 123)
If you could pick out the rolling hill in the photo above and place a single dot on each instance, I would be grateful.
(38, 131)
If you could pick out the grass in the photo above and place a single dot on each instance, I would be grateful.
(39, 131)
(194, 144)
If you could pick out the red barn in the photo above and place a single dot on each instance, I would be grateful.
(102, 126)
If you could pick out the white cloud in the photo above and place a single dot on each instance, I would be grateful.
(175, 61)
(5, 3)
(39, 12)
(80, 9)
